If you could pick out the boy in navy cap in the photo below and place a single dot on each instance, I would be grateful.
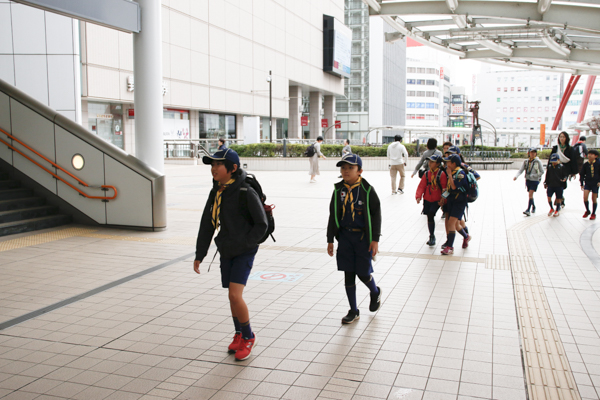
(589, 178)
(456, 198)
(355, 221)
(556, 176)
(534, 170)
(237, 239)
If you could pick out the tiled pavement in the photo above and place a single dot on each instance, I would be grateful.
(447, 329)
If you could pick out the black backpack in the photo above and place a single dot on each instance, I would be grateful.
(310, 151)
(251, 181)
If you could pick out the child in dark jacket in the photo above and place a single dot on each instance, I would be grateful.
(237, 239)
(432, 185)
(589, 178)
(355, 221)
(555, 183)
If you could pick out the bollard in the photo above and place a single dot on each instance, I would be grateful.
(285, 147)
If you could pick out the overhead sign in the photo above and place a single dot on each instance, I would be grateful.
(338, 124)
(304, 121)
(324, 123)
(337, 47)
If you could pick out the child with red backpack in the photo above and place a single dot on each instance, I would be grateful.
(432, 185)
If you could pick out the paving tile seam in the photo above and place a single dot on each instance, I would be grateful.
(547, 370)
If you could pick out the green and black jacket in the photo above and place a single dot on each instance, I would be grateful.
(372, 214)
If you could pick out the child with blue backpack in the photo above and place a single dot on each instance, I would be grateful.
(456, 197)
(555, 183)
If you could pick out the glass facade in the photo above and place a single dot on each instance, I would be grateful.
(214, 126)
(176, 124)
(106, 121)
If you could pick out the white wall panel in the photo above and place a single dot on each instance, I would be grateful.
(246, 103)
(258, 30)
(181, 94)
(166, 59)
(124, 94)
(245, 79)
(180, 30)
(216, 42)
(217, 99)
(232, 22)
(200, 97)
(217, 72)
(5, 152)
(233, 101)
(59, 34)
(199, 9)
(246, 24)
(232, 47)
(199, 36)
(103, 83)
(67, 113)
(103, 46)
(180, 63)
(125, 51)
(6, 37)
(28, 30)
(166, 25)
(133, 205)
(38, 133)
(181, 5)
(92, 173)
(60, 82)
(31, 76)
(200, 68)
(216, 13)
(246, 56)
(7, 68)
(232, 76)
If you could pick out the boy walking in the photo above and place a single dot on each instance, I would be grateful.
(457, 200)
(589, 178)
(432, 185)
(534, 170)
(556, 176)
(237, 239)
(355, 221)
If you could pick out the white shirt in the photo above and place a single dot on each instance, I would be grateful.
(397, 153)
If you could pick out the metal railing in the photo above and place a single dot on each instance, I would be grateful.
(486, 155)
(192, 148)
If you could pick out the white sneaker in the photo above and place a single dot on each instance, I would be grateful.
(394, 193)
(313, 181)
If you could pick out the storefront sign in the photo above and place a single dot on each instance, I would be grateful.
(304, 121)
(131, 113)
(457, 108)
(104, 116)
(324, 123)
(338, 124)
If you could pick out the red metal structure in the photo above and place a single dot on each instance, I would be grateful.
(565, 99)
(589, 85)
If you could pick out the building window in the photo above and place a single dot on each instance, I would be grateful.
(106, 121)
(518, 109)
(504, 109)
(547, 98)
(498, 89)
(506, 89)
(217, 125)
(525, 109)
(512, 109)
(498, 98)
(411, 70)
(525, 88)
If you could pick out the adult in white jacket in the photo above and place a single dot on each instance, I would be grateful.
(398, 156)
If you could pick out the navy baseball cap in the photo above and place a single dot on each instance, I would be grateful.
(532, 149)
(352, 159)
(435, 158)
(223, 155)
(554, 157)
(454, 158)
(453, 150)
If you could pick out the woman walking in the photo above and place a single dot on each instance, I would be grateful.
(314, 160)
(566, 157)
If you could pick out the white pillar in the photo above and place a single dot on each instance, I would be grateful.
(330, 115)
(314, 125)
(148, 97)
(295, 119)
(239, 126)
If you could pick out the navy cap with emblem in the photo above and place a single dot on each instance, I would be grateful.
(352, 159)
(554, 157)
(222, 155)
(453, 150)
(454, 158)
(435, 158)
(532, 149)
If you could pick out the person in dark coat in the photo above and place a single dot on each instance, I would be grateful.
(566, 157)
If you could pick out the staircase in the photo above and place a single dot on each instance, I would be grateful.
(21, 211)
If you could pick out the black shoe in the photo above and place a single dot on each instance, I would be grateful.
(375, 301)
(444, 245)
(533, 210)
(400, 191)
(351, 317)
(431, 241)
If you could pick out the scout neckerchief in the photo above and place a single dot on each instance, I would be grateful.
(433, 178)
(216, 211)
(530, 164)
(350, 197)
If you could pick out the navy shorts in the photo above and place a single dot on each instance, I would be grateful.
(555, 190)
(430, 207)
(532, 185)
(237, 269)
(353, 253)
(456, 209)
(591, 188)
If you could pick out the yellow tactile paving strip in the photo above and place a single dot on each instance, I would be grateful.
(547, 369)
(184, 241)
(45, 237)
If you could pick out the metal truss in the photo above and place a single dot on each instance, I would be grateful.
(561, 36)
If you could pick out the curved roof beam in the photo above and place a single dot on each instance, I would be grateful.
(577, 55)
(403, 30)
(552, 45)
(373, 5)
(452, 4)
(461, 21)
(562, 14)
(543, 6)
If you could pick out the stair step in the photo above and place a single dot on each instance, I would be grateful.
(9, 184)
(7, 194)
(33, 224)
(27, 213)
(23, 202)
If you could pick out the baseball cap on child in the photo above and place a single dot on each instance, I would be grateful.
(454, 158)
(453, 150)
(554, 157)
(222, 155)
(435, 158)
(352, 159)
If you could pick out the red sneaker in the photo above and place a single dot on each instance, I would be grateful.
(447, 251)
(587, 214)
(235, 345)
(593, 217)
(245, 348)
(466, 241)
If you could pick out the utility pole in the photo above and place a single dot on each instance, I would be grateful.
(270, 79)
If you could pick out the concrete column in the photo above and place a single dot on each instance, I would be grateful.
(251, 130)
(314, 125)
(148, 97)
(239, 126)
(194, 124)
(294, 127)
(330, 115)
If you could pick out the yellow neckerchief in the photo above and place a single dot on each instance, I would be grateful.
(432, 178)
(350, 196)
(216, 211)
(532, 163)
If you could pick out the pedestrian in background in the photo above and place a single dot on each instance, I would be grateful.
(314, 159)
(398, 156)
(534, 170)
(431, 150)
(347, 149)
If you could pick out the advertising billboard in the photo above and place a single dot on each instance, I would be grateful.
(337, 47)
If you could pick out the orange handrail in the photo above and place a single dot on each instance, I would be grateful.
(56, 166)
